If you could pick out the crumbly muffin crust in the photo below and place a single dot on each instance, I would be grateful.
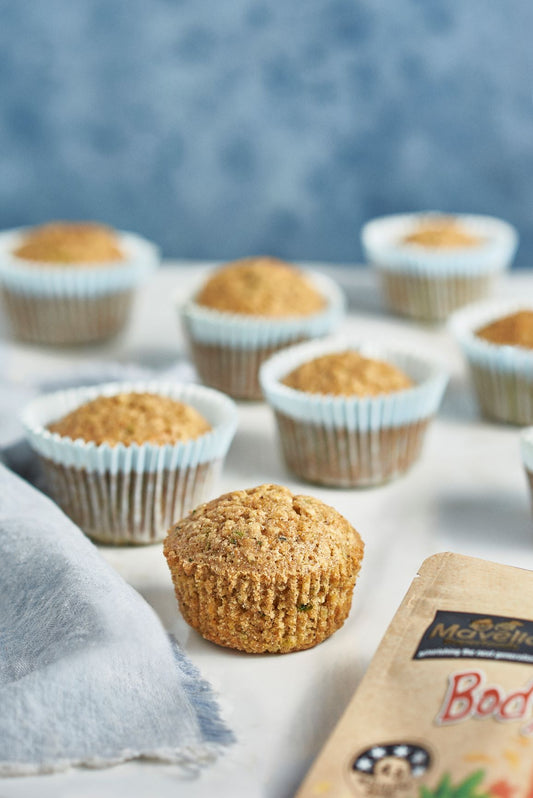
(347, 374)
(443, 233)
(513, 330)
(70, 243)
(264, 570)
(132, 418)
(261, 286)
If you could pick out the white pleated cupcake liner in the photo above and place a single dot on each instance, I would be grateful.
(382, 240)
(526, 448)
(351, 441)
(502, 375)
(231, 370)
(65, 304)
(130, 494)
(208, 326)
(427, 297)
(32, 278)
(67, 320)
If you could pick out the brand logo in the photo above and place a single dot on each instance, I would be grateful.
(388, 770)
(468, 635)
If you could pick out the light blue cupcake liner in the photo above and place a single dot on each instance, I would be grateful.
(35, 279)
(382, 240)
(238, 331)
(503, 375)
(505, 359)
(218, 409)
(526, 448)
(367, 414)
(347, 441)
(130, 494)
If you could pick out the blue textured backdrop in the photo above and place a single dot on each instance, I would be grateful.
(226, 127)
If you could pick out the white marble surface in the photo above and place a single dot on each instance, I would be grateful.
(467, 494)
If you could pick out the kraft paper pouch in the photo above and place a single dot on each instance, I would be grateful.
(446, 707)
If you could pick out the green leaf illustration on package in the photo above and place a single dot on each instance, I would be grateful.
(466, 789)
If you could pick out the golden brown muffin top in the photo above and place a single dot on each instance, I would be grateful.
(443, 233)
(347, 374)
(70, 243)
(266, 530)
(132, 418)
(261, 286)
(513, 330)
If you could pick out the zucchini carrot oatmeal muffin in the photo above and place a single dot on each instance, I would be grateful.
(347, 374)
(442, 232)
(497, 341)
(71, 282)
(124, 460)
(70, 242)
(430, 264)
(132, 418)
(249, 309)
(349, 414)
(515, 329)
(262, 570)
(262, 286)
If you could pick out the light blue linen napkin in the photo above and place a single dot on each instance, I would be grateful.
(88, 675)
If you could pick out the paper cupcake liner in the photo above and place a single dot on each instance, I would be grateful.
(382, 244)
(233, 371)
(526, 449)
(130, 494)
(430, 284)
(502, 375)
(343, 458)
(350, 441)
(65, 321)
(274, 615)
(72, 304)
(129, 508)
(228, 349)
(432, 298)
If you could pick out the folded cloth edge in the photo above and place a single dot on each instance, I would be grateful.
(216, 735)
(191, 757)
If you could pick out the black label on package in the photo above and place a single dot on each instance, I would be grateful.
(467, 635)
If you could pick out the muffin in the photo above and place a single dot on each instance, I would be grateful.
(430, 264)
(497, 341)
(442, 232)
(347, 373)
(130, 418)
(348, 414)
(262, 570)
(249, 309)
(70, 243)
(71, 282)
(125, 459)
(514, 329)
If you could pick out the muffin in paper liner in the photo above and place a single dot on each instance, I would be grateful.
(72, 304)
(526, 450)
(349, 441)
(502, 375)
(275, 576)
(130, 494)
(229, 348)
(430, 283)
